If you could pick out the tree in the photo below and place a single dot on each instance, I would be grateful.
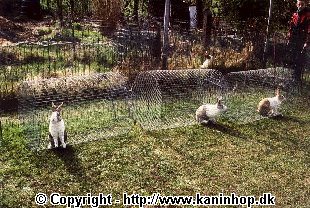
(60, 11)
(200, 8)
(136, 10)
(255, 12)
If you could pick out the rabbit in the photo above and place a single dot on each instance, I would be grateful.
(57, 131)
(208, 62)
(209, 112)
(269, 106)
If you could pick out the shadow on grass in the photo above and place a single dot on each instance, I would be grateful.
(287, 119)
(276, 135)
(70, 160)
(226, 130)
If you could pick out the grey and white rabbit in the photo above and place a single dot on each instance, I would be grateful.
(269, 106)
(57, 130)
(209, 112)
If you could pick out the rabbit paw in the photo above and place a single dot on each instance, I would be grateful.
(204, 122)
(278, 115)
(212, 121)
(49, 146)
(64, 145)
(56, 144)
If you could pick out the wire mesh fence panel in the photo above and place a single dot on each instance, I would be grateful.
(138, 48)
(250, 87)
(95, 107)
(167, 99)
(43, 60)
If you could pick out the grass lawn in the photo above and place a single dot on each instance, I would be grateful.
(85, 121)
(269, 155)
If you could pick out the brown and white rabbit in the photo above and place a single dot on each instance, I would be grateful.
(269, 106)
(57, 131)
(209, 112)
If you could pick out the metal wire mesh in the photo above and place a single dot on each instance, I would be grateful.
(102, 105)
(99, 105)
(167, 99)
(249, 87)
(95, 107)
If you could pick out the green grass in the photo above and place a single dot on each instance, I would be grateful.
(85, 122)
(269, 155)
(77, 32)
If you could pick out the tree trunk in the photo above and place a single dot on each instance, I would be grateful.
(72, 5)
(59, 11)
(136, 10)
(207, 27)
(166, 37)
(200, 7)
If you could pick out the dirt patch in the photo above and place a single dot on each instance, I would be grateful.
(10, 31)
(14, 31)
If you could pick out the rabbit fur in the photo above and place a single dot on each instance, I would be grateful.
(269, 106)
(209, 112)
(57, 131)
(208, 62)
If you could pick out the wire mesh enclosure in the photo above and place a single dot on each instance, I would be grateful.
(70, 65)
(250, 87)
(167, 99)
(95, 107)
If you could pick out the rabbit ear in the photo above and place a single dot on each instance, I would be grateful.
(219, 99)
(59, 107)
(278, 91)
(54, 106)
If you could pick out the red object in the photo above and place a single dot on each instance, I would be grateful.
(300, 26)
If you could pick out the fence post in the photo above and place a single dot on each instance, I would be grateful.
(0, 132)
(166, 31)
(267, 33)
(207, 27)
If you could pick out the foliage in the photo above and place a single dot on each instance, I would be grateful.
(129, 8)
(76, 8)
(255, 12)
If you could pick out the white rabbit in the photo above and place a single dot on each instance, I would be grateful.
(208, 62)
(270, 106)
(209, 112)
(57, 131)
